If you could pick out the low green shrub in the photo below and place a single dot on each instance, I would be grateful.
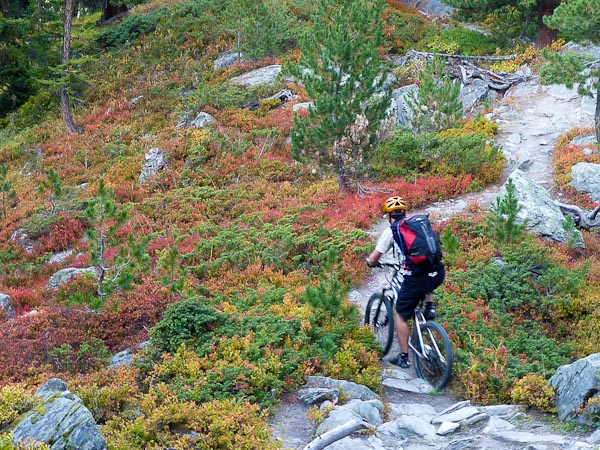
(132, 27)
(189, 320)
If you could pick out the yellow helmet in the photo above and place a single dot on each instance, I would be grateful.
(393, 204)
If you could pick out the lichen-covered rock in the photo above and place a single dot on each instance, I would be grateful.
(585, 177)
(63, 276)
(577, 389)
(63, 421)
(156, 160)
(539, 209)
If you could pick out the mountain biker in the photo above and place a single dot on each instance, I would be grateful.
(415, 286)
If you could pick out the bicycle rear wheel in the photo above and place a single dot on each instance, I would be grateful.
(379, 317)
(433, 362)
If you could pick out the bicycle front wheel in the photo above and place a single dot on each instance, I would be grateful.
(379, 317)
(433, 362)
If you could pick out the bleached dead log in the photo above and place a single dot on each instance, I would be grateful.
(583, 219)
(465, 71)
(336, 434)
(414, 53)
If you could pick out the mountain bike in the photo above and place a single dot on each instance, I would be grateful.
(429, 342)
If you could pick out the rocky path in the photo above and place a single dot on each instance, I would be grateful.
(530, 118)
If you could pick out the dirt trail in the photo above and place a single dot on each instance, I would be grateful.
(530, 118)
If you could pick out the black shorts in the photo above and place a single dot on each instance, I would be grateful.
(414, 289)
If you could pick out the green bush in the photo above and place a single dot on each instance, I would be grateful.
(131, 29)
(189, 320)
(397, 157)
(462, 40)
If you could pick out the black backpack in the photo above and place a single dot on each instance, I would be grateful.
(420, 245)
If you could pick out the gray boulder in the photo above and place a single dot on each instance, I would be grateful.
(585, 49)
(60, 257)
(585, 177)
(584, 141)
(264, 75)
(190, 119)
(63, 276)
(6, 306)
(399, 107)
(348, 388)
(22, 240)
(368, 411)
(541, 211)
(156, 160)
(228, 59)
(575, 385)
(62, 421)
(473, 93)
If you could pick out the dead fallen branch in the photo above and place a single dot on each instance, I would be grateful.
(587, 220)
(466, 71)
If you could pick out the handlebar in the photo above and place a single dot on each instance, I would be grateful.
(392, 265)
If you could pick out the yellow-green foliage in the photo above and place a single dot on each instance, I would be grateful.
(527, 55)
(217, 424)
(533, 391)
(109, 392)
(14, 400)
(354, 362)
(6, 444)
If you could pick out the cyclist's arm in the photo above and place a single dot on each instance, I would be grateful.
(384, 245)
(373, 258)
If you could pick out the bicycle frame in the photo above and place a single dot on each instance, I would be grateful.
(429, 342)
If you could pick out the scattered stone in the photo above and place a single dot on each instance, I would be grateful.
(575, 385)
(228, 59)
(156, 160)
(65, 275)
(355, 410)
(496, 424)
(302, 106)
(22, 240)
(447, 428)
(314, 396)
(60, 257)
(584, 141)
(456, 416)
(348, 388)
(265, 75)
(190, 119)
(6, 306)
(585, 177)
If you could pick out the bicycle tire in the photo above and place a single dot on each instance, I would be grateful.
(380, 318)
(433, 366)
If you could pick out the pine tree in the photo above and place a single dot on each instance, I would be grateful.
(578, 20)
(106, 218)
(509, 18)
(436, 105)
(503, 221)
(343, 73)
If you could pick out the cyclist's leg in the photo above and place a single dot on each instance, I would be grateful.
(408, 298)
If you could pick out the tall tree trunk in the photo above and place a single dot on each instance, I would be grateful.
(597, 114)
(545, 34)
(70, 124)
